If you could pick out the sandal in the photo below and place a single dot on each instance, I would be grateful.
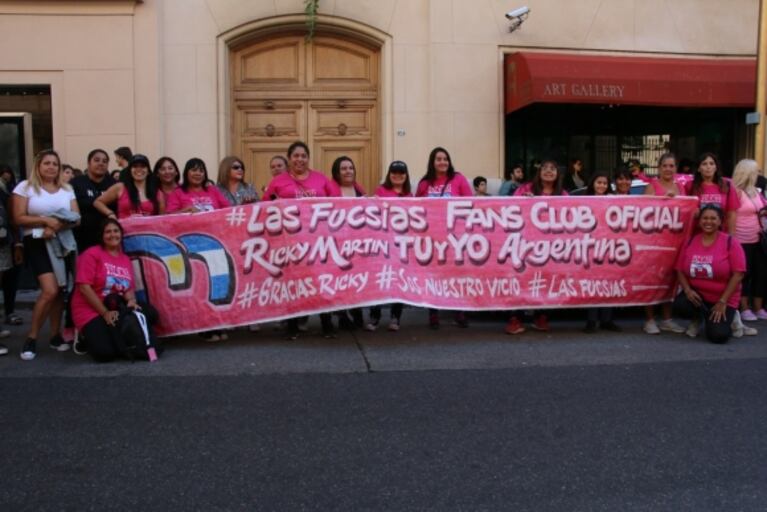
(13, 319)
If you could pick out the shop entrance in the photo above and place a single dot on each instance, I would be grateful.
(605, 136)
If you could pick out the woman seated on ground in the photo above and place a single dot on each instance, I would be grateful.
(136, 196)
(710, 268)
(102, 270)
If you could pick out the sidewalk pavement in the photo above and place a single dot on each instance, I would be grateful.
(415, 347)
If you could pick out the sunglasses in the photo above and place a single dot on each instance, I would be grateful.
(237, 166)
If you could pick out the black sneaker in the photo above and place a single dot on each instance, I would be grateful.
(29, 350)
(79, 347)
(460, 320)
(611, 326)
(58, 343)
(591, 327)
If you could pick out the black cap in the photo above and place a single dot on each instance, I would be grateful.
(398, 166)
(139, 159)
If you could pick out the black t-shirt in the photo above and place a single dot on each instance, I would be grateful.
(86, 191)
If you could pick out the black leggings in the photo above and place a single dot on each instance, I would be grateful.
(716, 332)
(101, 340)
(10, 287)
(396, 312)
(756, 271)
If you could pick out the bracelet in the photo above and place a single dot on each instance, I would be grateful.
(722, 301)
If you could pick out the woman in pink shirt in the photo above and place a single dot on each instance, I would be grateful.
(442, 180)
(711, 187)
(196, 193)
(747, 229)
(396, 184)
(664, 185)
(300, 181)
(344, 174)
(546, 182)
(166, 175)
(138, 195)
(102, 270)
(710, 269)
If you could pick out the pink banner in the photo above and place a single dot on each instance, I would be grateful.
(269, 261)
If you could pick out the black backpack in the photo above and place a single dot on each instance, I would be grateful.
(135, 339)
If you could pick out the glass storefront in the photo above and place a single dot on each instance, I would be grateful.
(605, 136)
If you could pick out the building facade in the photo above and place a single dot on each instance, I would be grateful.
(381, 79)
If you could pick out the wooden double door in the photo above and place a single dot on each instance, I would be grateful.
(324, 92)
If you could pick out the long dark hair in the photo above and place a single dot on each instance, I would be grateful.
(387, 184)
(159, 163)
(150, 184)
(719, 180)
(431, 171)
(194, 163)
(538, 182)
(335, 170)
(590, 187)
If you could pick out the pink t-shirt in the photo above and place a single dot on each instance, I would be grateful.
(708, 269)
(203, 200)
(316, 184)
(106, 274)
(747, 225)
(709, 193)
(382, 191)
(125, 208)
(527, 188)
(441, 187)
(660, 191)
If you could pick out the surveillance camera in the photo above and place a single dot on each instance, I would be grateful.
(518, 13)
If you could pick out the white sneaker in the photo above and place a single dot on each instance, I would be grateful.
(394, 325)
(671, 326)
(693, 329)
(371, 326)
(749, 331)
(650, 327)
(738, 329)
(4, 333)
(3, 349)
(254, 327)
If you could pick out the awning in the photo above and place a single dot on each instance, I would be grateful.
(670, 82)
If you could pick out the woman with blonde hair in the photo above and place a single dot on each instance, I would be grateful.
(38, 205)
(747, 228)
